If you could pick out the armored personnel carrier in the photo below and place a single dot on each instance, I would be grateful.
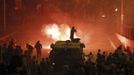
(69, 52)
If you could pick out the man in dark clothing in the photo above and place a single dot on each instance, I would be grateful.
(72, 33)
(100, 62)
(29, 49)
(43, 67)
(11, 43)
(38, 47)
(18, 50)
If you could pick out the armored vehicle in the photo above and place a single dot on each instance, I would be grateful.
(69, 52)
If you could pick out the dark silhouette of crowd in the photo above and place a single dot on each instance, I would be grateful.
(16, 61)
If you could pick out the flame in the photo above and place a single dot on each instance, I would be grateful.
(57, 32)
(46, 46)
(52, 31)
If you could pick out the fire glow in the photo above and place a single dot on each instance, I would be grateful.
(57, 32)
(123, 40)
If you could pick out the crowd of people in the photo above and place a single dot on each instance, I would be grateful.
(16, 61)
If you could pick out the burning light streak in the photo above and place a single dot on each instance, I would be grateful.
(112, 43)
(123, 40)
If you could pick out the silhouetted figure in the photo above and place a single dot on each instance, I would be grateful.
(10, 50)
(29, 49)
(72, 33)
(99, 61)
(14, 62)
(33, 66)
(18, 50)
(43, 67)
(11, 43)
(90, 58)
(38, 47)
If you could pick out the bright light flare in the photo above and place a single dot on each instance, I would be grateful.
(103, 16)
(123, 40)
(116, 9)
(46, 46)
(57, 32)
(52, 31)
